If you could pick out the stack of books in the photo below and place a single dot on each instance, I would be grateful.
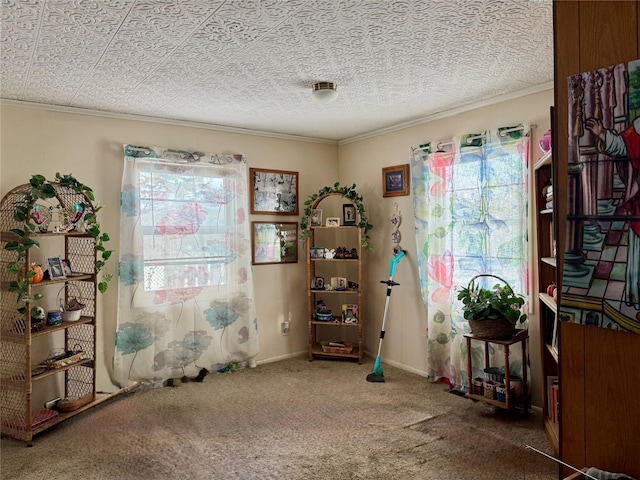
(547, 192)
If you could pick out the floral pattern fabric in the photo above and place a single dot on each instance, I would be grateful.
(470, 211)
(185, 289)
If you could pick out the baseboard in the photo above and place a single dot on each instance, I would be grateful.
(281, 357)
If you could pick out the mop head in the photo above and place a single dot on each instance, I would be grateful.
(377, 375)
(372, 377)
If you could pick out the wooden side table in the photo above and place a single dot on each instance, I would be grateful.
(520, 336)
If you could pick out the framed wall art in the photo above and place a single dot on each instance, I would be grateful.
(274, 242)
(273, 192)
(395, 181)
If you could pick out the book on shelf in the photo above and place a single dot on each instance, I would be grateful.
(553, 403)
(554, 336)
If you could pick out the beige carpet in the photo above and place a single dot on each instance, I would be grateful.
(292, 419)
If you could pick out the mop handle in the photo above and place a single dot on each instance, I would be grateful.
(394, 262)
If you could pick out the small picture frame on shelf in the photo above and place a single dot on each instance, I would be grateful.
(317, 283)
(338, 283)
(348, 214)
(66, 266)
(349, 313)
(56, 269)
(315, 219)
(316, 252)
(333, 222)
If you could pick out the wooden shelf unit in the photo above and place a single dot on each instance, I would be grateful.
(335, 330)
(21, 377)
(521, 337)
(547, 309)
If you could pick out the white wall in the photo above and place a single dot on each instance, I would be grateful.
(90, 147)
(405, 342)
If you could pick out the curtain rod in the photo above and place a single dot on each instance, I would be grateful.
(502, 133)
(515, 129)
(139, 149)
(474, 137)
(420, 149)
(442, 144)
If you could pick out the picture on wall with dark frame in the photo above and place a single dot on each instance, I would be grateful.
(395, 181)
(274, 242)
(273, 192)
(348, 214)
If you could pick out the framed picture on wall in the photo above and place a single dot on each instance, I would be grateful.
(273, 192)
(274, 242)
(395, 181)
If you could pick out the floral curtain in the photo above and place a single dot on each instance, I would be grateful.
(185, 289)
(470, 208)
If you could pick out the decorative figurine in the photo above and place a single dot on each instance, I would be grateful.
(396, 219)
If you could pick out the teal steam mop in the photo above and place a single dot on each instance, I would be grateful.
(377, 374)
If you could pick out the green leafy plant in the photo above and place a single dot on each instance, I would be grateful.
(491, 304)
(347, 192)
(40, 188)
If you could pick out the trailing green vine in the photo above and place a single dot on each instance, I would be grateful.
(41, 189)
(349, 193)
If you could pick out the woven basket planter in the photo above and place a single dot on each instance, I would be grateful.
(498, 329)
(494, 329)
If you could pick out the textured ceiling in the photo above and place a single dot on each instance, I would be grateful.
(251, 63)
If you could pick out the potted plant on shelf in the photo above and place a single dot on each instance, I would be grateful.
(492, 313)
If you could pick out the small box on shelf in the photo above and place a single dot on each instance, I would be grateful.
(336, 347)
(490, 389)
(477, 386)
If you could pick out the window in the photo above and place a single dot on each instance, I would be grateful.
(185, 218)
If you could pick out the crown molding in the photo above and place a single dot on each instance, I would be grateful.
(166, 121)
(450, 113)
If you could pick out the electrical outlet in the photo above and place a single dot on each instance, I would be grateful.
(285, 328)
